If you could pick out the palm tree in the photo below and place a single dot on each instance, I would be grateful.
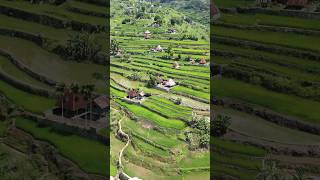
(90, 91)
(300, 175)
(270, 171)
(84, 92)
(87, 90)
(60, 88)
(75, 90)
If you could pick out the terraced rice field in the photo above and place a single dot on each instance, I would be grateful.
(26, 61)
(157, 126)
(263, 68)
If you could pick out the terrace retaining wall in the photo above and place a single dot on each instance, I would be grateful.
(270, 116)
(38, 39)
(283, 12)
(269, 48)
(42, 121)
(26, 87)
(26, 69)
(277, 119)
(268, 28)
(51, 21)
(86, 12)
(274, 146)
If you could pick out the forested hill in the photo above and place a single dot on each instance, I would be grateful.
(198, 10)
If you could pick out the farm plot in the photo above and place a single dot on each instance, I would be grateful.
(92, 159)
(262, 74)
(157, 125)
(36, 35)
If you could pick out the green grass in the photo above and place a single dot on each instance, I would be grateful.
(291, 105)
(167, 140)
(7, 67)
(193, 160)
(113, 170)
(192, 92)
(284, 39)
(168, 108)
(28, 101)
(91, 159)
(237, 148)
(234, 3)
(149, 149)
(54, 11)
(3, 128)
(51, 65)
(273, 20)
(153, 117)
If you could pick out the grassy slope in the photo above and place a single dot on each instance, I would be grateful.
(290, 105)
(148, 115)
(72, 146)
(26, 100)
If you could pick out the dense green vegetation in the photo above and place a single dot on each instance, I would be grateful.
(285, 84)
(160, 126)
(41, 48)
(27, 101)
(91, 159)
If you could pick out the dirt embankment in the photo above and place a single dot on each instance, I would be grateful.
(54, 163)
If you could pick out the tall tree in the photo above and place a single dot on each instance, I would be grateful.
(60, 89)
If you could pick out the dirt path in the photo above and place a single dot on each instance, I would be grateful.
(127, 144)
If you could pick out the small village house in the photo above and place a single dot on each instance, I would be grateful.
(157, 49)
(169, 83)
(171, 31)
(297, 4)
(176, 65)
(100, 106)
(215, 14)
(134, 96)
(75, 104)
(72, 104)
(147, 34)
(202, 61)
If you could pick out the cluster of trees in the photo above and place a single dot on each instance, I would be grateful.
(83, 46)
(55, 2)
(220, 125)
(270, 170)
(202, 125)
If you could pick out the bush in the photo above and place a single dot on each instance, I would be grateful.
(82, 46)
(220, 125)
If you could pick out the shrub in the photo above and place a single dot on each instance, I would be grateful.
(220, 125)
(82, 46)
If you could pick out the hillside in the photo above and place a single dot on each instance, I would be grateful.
(158, 93)
(266, 65)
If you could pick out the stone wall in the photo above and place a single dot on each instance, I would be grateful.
(266, 47)
(26, 87)
(268, 28)
(269, 115)
(26, 69)
(19, 34)
(283, 12)
(51, 21)
(42, 121)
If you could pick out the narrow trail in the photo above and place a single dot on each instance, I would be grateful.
(121, 133)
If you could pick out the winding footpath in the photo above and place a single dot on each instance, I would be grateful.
(120, 166)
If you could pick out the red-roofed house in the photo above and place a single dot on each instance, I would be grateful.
(214, 11)
(297, 3)
(73, 101)
(202, 61)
